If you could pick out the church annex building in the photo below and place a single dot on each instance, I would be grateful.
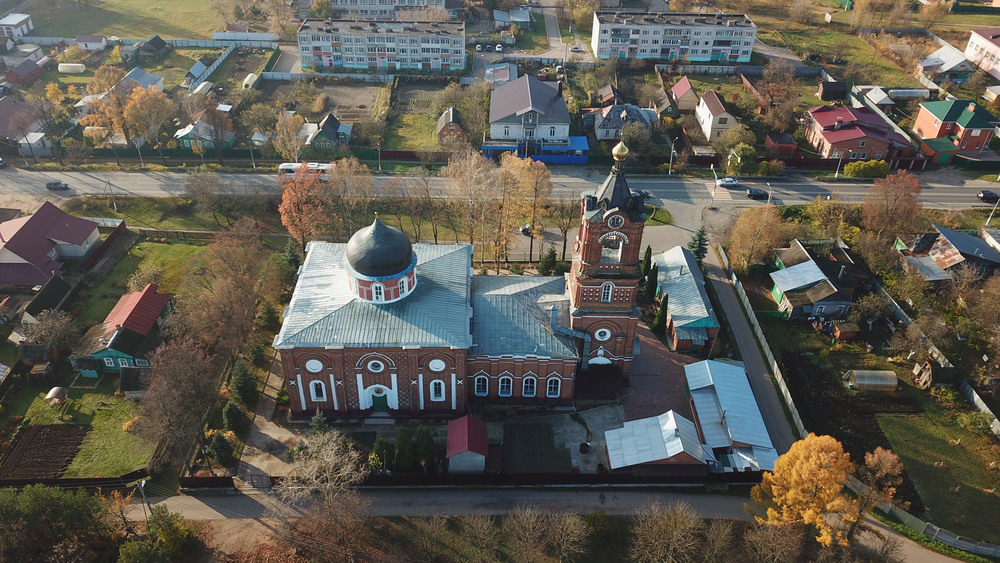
(382, 327)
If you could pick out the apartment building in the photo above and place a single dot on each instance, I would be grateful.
(669, 36)
(339, 44)
(389, 9)
(983, 50)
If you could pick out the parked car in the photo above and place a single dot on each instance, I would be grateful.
(56, 185)
(756, 193)
(3, 164)
(499, 48)
(489, 47)
(727, 182)
(479, 48)
(576, 49)
(988, 196)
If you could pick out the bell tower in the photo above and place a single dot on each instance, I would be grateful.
(606, 271)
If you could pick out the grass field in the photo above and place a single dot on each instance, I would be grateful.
(175, 65)
(160, 213)
(411, 132)
(533, 40)
(108, 450)
(129, 19)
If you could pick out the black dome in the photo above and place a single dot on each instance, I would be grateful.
(378, 250)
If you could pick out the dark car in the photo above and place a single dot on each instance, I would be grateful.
(988, 196)
(3, 164)
(756, 193)
(56, 185)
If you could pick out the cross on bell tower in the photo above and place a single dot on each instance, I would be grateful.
(606, 273)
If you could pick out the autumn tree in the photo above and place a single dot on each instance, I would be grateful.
(115, 56)
(931, 13)
(306, 209)
(757, 231)
(469, 177)
(565, 215)
(21, 124)
(638, 137)
(869, 308)
(351, 184)
(51, 118)
(53, 93)
(182, 385)
(506, 204)
(806, 485)
(826, 215)
(537, 181)
(44, 523)
(665, 533)
(881, 473)
(52, 329)
(259, 118)
(105, 78)
(891, 207)
(288, 141)
(148, 110)
(219, 127)
(741, 134)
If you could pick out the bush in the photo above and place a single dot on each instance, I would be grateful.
(561, 268)
(772, 168)
(233, 418)
(221, 449)
(547, 263)
(515, 269)
(404, 449)
(281, 397)
(140, 552)
(243, 384)
(167, 529)
(267, 316)
(319, 104)
(867, 169)
(257, 355)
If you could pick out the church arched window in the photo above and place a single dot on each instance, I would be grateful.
(606, 291)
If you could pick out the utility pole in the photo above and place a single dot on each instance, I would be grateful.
(145, 501)
(992, 211)
(109, 191)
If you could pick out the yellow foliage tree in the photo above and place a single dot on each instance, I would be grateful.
(806, 485)
(53, 93)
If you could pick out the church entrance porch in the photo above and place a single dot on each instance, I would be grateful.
(380, 405)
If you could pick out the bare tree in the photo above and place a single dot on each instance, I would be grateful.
(718, 546)
(524, 530)
(351, 184)
(288, 139)
(469, 177)
(205, 188)
(772, 543)
(881, 473)
(219, 128)
(565, 215)
(483, 537)
(933, 12)
(325, 468)
(21, 124)
(53, 329)
(891, 206)
(665, 533)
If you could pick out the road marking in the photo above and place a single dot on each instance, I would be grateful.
(719, 193)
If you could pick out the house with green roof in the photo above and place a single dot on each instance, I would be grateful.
(950, 127)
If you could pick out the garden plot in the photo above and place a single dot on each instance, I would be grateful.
(412, 127)
(351, 103)
(43, 452)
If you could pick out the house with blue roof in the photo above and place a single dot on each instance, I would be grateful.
(934, 255)
(691, 322)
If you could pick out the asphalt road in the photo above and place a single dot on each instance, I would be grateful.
(569, 182)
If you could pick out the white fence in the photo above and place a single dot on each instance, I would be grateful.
(340, 76)
(199, 43)
(235, 36)
(208, 72)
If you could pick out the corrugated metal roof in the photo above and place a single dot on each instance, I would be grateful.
(725, 405)
(653, 439)
(970, 245)
(927, 268)
(680, 279)
(511, 316)
(799, 275)
(324, 312)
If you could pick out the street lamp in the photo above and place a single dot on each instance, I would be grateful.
(837, 173)
(768, 193)
(670, 169)
(378, 148)
(141, 163)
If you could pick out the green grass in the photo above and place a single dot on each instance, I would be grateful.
(533, 40)
(108, 450)
(920, 441)
(64, 79)
(175, 65)
(160, 213)
(411, 132)
(659, 216)
(130, 19)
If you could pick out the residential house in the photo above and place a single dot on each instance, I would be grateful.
(854, 134)
(153, 48)
(138, 78)
(947, 64)
(983, 50)
(875, 96)
(520, 16)
(34, 144)
(501, 73)
(780, 144)
(501, 19)
(662, 105)
(685, 96)
(15, 25)
(21, 53)
(714, 116)
(992, 93)
(448, 131)
(124, 337)
(664, 445)
(530, 116)
(950, 127)
(467, 446)
(673, 36)
(92, 42)
(31, 247)
(609, 121)
(691, 322)
(328, 45)
(204, 135)
(195, 72)
(387, 9)
(832, 91)
(934, 255)
(608, 96)
(24, 73)
(51, 297)
(330, 133)
(806, 285)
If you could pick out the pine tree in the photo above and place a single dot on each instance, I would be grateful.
(660, 322)
(293, 256)
(647, 259)
(318, 422)
(232, 417)
(651, 282)
(547, 263)
(404, 449)
(425, 448)
(221, 449)
(698, 245)
(243, 384)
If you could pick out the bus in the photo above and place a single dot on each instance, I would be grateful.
(289, 168)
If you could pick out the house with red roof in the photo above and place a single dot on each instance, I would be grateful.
(467, 445)
(31, 248)
(124, 336)
(714, 116)
(855, 134)
(684, 94)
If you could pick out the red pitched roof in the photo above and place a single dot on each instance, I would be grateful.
(138, 311)
(31, 238)
(467, 434)
(715, 104)
(682, 87)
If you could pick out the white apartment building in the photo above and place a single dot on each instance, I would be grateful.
(338, 44)
(983, 50)
(668, 36)
(386, 9)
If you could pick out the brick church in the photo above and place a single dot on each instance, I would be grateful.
(382, 327)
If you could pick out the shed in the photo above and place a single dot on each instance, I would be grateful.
(780, 143)
(832, 91)
(871, 380)
(467, 445)
(845, 331)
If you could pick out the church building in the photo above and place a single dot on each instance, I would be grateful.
(382, 327)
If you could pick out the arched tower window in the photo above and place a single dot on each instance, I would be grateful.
(553, 387)
(506, 386)
(378, 292)
(437, 390)
(606, 291)
(528, 387)
(611, 250)
(482, 386)
(403, 286)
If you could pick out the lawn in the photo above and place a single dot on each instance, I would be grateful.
(129, 19)
(161, 213)
(411, 132)
(107, 450)
(920, 441)
(175, 65)
(178, 260)
(533, 40)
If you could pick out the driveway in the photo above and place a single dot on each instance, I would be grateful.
(288, 61)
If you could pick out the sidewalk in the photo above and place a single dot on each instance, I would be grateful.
(267, 442)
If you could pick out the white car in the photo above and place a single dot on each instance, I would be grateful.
(727, 182)
(479, 48)
(576, 49)
(499, 48)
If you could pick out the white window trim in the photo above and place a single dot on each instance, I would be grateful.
(509, 381)
(313, 386)
(548, 387)
(109, 362)
(486, 386)
(437, 397)
(378, 292)
(607, 291)
(524, 386)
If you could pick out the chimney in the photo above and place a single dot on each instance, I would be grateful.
(559, 85)
(972, 106)
(836, 126)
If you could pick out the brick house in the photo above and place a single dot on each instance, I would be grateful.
(15, 25)
(854, 134)
(448, 128)
(24, 73)
(953, 126)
